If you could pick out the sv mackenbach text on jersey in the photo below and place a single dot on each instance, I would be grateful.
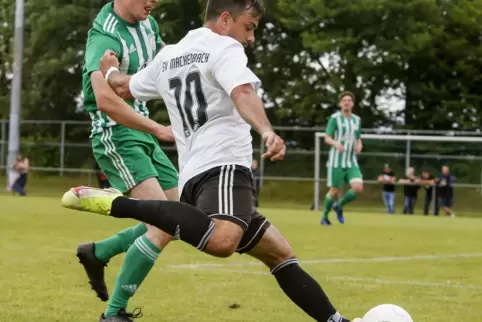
(182, 61)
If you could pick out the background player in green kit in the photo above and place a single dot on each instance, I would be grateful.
(343, 134)
(125, 145)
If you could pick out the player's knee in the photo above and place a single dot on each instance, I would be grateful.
(357, 187)
(222, 250)
(225, 239)
(222, 245)
(333, 192)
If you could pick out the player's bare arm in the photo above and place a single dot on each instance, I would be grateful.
(358, 146)
(120, 84)
(330, 141)
(118, 110)
(109, 65)
(251, 109)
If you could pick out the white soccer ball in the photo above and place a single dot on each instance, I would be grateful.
(387, 313)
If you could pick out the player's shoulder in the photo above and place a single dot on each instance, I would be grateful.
(106, 22)
(217, 43)
(335, 115)
(357, 117)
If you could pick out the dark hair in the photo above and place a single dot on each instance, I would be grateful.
(235, 7)
(346, 93)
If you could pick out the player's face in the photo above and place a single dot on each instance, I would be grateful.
(346, 104)
(241, 27)
(445, 170)
(140, 9)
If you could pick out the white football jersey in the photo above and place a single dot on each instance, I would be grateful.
(195, 78)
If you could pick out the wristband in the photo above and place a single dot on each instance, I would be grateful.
(109, 71)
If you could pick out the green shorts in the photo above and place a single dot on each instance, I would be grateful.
(127, 157)
(338, 177)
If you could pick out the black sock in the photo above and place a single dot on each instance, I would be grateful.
(305, 292)
(180, 220)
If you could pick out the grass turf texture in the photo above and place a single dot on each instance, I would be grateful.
(277, 194)
(42, 280)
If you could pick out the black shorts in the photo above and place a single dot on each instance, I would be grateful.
(226, 193)
(446, 201)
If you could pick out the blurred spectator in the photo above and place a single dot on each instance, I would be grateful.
(446, 191)
(387, 178)
(21, 166)
(256, 177)
(101, 178)
(410, 190)
(428, 182)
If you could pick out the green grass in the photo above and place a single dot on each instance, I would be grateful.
(277, 194)
(42, 281)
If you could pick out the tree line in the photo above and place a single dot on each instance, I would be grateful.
(424, 52)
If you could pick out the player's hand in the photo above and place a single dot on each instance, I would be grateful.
(164, 133)
(340, 147)
(108, 60)
(276, 148)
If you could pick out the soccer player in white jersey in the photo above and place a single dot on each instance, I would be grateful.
(211, 98)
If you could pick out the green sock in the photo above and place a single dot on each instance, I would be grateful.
(139, 260)
(119, 243)
(349, 196)
(327, 205)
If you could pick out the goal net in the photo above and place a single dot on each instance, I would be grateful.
(463, 156)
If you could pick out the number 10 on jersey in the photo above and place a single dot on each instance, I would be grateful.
(186, 108)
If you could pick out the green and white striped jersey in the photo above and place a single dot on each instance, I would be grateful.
(135, 45)
(345, 130)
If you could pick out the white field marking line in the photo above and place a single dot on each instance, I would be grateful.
(363, 280)
(338, 260)
(395, 282)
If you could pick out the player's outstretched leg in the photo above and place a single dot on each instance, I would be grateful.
(276, 253)
(177, 219)
(108, 248)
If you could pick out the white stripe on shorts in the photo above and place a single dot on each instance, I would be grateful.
(225, 190)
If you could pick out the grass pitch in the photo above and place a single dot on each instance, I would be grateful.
(430, 266)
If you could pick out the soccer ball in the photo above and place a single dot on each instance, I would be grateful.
(387, 313)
